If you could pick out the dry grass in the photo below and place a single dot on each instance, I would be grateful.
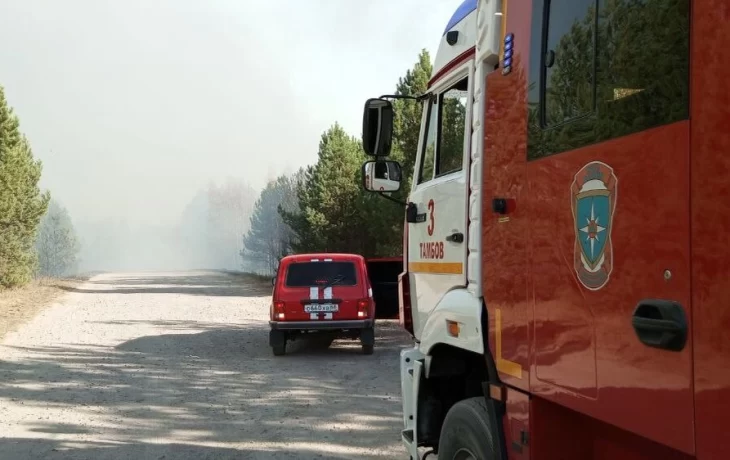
(20, 305)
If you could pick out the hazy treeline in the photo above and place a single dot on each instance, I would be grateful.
(211, 226)
(207, 235)
(323, 207)
(57, 243)
(269, 237)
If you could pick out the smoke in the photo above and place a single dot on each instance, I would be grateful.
(136, 107)
(207, 235)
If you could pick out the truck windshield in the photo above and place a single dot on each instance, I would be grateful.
(305, 274)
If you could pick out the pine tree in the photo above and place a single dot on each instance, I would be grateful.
(270, 238)
(334, 213)
(21, 202)
(329, 218)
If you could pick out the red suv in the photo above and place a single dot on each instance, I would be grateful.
(328, 294)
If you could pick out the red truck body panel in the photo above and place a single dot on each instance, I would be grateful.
(505, 273)
(595, 390)
(558, 432)
(710, 223)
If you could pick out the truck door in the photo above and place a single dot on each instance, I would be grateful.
(710, 220)
(608, 212)
(437, 245)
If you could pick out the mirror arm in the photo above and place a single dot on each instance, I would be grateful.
(419, 98)
(394, 200)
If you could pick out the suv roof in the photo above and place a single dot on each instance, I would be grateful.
(322, 256)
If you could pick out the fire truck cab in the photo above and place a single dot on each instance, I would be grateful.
(566, 260)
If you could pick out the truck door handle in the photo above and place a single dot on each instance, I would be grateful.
(457, 237)
(660, 324)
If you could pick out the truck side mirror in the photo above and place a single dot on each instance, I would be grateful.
(377, 127)
(381, 176)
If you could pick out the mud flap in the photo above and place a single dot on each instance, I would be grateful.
(496, 411)
(276, 338)
(411, 365)
(495, 407)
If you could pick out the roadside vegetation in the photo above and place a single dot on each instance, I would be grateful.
(38, 243)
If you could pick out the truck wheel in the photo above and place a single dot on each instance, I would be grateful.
(279, 350)
(466, 433)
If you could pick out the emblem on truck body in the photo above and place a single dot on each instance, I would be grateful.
(593, 201)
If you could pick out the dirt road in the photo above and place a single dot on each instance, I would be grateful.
(177, 366)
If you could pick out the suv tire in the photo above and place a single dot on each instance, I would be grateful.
(279, 350)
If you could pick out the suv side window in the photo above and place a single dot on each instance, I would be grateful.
(602, 69)
(445, 133)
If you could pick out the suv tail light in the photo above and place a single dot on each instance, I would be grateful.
(362, 308)
(279, 310)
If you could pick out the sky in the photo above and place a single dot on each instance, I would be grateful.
(134, 105)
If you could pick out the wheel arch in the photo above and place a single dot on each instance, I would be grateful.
(454, 374)
(456, 306)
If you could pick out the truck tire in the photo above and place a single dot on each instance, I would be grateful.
(466, 433)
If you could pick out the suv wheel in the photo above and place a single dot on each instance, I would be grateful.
(367, 339)
(279, 350)
(277, 341)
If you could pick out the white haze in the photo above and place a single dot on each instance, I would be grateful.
(136, 106)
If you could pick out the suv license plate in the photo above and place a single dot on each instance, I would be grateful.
(321, 308)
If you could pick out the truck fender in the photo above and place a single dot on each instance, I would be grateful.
(460, 306)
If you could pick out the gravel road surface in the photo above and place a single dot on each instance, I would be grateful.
(177, 366)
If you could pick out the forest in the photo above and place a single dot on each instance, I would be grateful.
(318, 208)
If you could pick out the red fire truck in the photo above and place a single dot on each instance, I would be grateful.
(566, 269)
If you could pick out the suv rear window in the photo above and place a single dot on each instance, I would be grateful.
(305, 274)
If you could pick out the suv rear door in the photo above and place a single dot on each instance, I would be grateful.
(320, 284)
